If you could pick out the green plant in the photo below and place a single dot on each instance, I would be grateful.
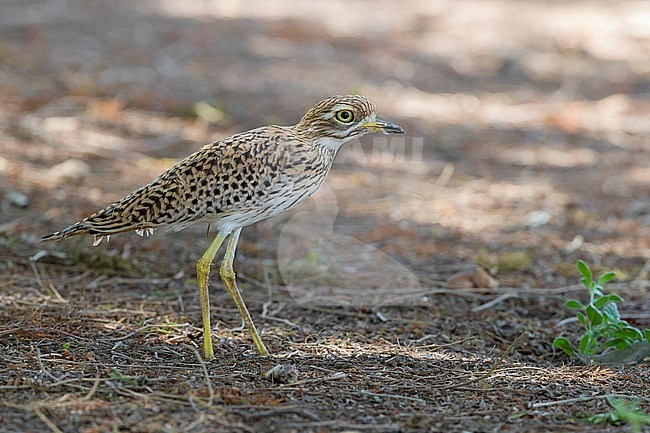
(604, 330)
(624, 411)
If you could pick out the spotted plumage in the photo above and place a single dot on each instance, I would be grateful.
(238, 181)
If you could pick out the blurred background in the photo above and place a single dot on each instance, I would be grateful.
(527, 146)
(420, 263)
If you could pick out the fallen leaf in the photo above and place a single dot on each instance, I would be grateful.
(483, 279)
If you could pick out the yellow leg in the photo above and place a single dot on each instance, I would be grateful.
(203, 274)
(228, 276)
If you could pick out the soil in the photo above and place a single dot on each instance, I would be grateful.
(420, 290)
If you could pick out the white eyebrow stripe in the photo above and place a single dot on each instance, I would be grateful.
(342, 107)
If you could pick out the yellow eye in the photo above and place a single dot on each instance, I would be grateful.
(344, 116)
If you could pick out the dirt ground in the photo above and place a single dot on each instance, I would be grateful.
(527, 148)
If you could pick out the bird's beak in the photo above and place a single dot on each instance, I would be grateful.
(379, 125)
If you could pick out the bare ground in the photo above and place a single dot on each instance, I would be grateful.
(528, 147)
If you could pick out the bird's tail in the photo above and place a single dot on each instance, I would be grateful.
(132, 213)
(104, 223)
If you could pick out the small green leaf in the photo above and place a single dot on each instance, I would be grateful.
(612, 297)
(563, 344)
(611, 313)
(646, 334)
(606, 278)
(585, 271)
(582, 319)
(624, 340)
(586, 344)
(632, 333)
(574, 304)
(594, 315)
(614, 342)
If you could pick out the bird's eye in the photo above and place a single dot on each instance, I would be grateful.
(344, 116)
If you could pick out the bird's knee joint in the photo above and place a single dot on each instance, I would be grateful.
(226, 273)
(203, 266)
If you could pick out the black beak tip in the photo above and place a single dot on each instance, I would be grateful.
(391, 128)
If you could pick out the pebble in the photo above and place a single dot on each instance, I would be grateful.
(282, 373)
(17, 199)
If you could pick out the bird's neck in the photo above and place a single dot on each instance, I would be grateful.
(330, 143)
(317, 139)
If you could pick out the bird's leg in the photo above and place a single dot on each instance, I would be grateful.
(228, 276)
(203, 274)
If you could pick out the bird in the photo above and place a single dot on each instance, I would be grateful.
(235, 182)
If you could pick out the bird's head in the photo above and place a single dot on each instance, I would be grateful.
(340, 118)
